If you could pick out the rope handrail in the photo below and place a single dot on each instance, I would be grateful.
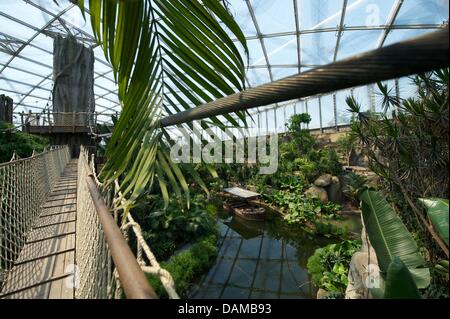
(97, 229)
(33, 156)
(154, 267)
(24, 186)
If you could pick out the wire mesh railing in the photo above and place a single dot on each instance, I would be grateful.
(93, 258)
(24, 186)
(56, 118)
(106, 265)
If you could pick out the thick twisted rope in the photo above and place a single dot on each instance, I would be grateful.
(154, 267)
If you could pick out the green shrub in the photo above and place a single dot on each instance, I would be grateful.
(165, 230)
(329, 265)
(188, 265)
(298, 208)
(22, 143)
(330, 230)
(354, 183)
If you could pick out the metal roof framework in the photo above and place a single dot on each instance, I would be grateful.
(285, 37)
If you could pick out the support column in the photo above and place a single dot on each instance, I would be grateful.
(336, 128)
(307, 112)
(320, 114)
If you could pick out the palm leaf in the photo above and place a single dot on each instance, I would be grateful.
(437, 210)
(165, 55)
(390, 237)
(399, 282)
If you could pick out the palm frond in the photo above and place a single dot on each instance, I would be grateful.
(166, 56)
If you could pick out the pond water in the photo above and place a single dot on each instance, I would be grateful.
(260, 260)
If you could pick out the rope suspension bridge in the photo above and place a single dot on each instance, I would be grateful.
(60, 238)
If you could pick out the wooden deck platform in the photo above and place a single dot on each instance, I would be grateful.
(44, 267)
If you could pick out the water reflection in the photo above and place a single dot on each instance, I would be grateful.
(260, 260)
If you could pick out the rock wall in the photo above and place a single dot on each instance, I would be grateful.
(6, 109)
(73, 75)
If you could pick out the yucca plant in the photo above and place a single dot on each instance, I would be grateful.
(167, 56)
(409, 150)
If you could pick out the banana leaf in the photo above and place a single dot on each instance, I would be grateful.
(437, 210)
(399, 282)
(390, 238)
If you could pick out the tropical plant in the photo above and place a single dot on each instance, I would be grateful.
(166, 56)
(328, 229)
(399, 282)
(21, 143)
(348, 144)
(409, 148)
(390, 237)
(329, 265)
(166, 230)
(188, 265)
(437, 210)
(299, 208)
(354, 184)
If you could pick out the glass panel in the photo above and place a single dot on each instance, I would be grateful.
(317, 48)
(354, 42)
(423, 12)
(343, 115)
(274, 16)
(369, 13)
(280, 73)
(241, 14)
(327, 110)
(282, 50)
(258, 76)
(319, 14)
(401, 35)
(256, 53)
(313, 111)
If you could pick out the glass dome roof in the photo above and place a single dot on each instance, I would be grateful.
(284, 37)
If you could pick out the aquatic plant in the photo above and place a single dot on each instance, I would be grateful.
(329, 265)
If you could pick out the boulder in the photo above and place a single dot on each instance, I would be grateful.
(321, 294)
(334, 190)
(372, 179)
(318, 192)
(364, 272)
(323, 180)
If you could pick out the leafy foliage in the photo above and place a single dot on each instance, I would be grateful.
(409, 149)
(390, 237)
(329, 265)
(188, 265)
(399, 282)
(354, 184)
(299, 208)
(166, 56)
(20, 142)
(348, 145)
(437, 210)
(330, 230)
(166, 230)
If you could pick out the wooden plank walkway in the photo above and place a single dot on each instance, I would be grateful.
(43, 269)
